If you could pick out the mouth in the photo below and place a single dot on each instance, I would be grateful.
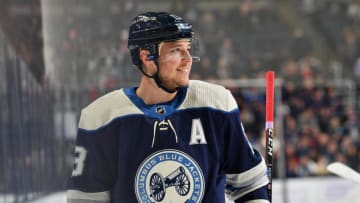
(183, 70)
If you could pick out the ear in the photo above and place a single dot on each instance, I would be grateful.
(147, 63)
(145, 56)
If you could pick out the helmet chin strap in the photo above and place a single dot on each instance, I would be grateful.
(157, 79)
(160, 84)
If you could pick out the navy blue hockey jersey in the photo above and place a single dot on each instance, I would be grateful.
(192, 149)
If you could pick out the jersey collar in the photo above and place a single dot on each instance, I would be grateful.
(161, 110)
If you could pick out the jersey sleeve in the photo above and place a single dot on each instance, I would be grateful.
(95, 162)
(244, 166)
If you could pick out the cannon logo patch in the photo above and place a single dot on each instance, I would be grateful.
(169, 176)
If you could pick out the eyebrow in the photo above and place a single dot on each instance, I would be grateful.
(179, 43)
(175, 44)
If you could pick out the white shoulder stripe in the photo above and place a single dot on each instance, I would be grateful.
(203, 94)
(106, 108)
(243, 179)
(95, 196)
(236, 194)
(247, 181)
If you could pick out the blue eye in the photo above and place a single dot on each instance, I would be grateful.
(175, 50)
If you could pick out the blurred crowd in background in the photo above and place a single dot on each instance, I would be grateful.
(310, 44)
(239, 39)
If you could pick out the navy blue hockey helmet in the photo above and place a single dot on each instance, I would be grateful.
(148, 29)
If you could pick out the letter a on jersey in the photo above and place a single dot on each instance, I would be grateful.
(197, 133)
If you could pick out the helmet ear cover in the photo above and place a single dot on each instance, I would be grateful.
(153, 51)
(153, 54)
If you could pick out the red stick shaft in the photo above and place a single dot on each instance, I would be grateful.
(270, 76)
(269, 125)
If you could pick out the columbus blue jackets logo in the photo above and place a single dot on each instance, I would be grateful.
(169, 176)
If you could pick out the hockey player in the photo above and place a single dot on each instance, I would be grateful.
(169, 139)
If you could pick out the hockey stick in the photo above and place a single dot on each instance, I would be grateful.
(344, 171)
(269, 126)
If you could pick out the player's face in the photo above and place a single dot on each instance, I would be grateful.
(175, 63)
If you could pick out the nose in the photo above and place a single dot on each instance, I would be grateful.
(190, 57)
(186, 56)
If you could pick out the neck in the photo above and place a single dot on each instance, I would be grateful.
(150, 93)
